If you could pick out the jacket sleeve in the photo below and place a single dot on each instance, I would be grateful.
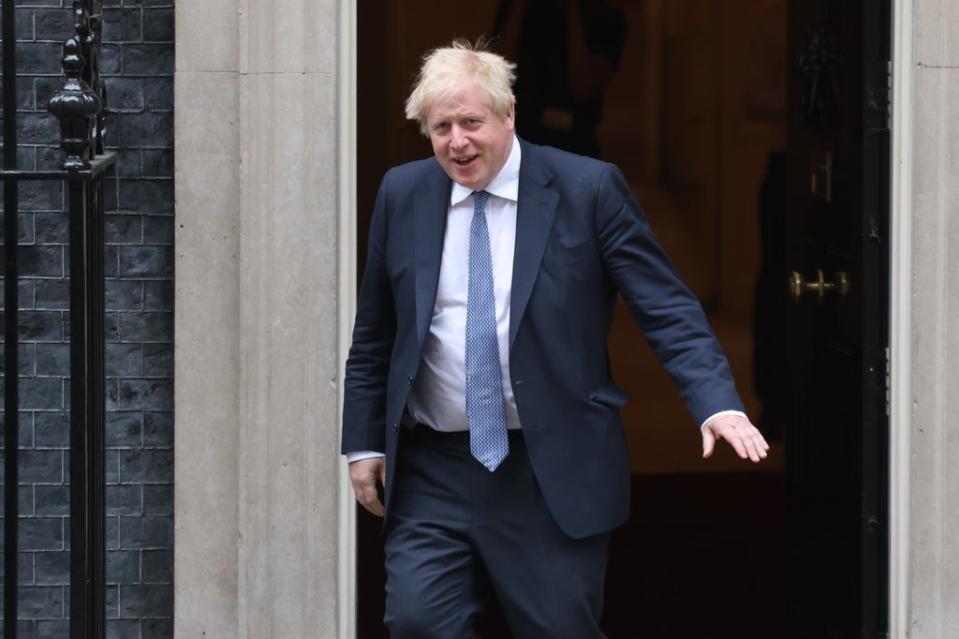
(666, 311)
(368, 363)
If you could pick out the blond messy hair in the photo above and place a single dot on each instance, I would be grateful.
(449, 69)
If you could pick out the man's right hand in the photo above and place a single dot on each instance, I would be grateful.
(367, 476)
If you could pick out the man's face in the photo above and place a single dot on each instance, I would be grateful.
(470, 141)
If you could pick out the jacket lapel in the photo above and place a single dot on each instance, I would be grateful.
(535, 209)
(430, 212)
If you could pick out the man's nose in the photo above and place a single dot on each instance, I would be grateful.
(458, 138)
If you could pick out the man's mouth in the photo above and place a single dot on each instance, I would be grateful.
(465, 161)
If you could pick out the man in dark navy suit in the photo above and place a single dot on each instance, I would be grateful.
(478, 391)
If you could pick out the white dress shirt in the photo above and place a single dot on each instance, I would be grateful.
(438, 396)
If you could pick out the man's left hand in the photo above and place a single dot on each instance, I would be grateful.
(739, 432)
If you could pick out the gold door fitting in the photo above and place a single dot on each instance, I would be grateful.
(798, 285)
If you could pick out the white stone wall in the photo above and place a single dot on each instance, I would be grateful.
(934, 479)
(207, 303)
(258, 475)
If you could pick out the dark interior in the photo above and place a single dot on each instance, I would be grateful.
(692, 108)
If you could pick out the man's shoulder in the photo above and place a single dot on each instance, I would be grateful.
(564, 163)
(413, 173)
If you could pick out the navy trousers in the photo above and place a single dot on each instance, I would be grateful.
(455, 528)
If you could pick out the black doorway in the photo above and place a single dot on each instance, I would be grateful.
(702, 111)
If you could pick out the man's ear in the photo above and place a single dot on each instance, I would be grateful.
(511, 116)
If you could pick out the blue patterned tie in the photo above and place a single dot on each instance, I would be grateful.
(485, 408)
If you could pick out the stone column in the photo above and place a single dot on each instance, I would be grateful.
(934, 465)
(288, 317)
(258, 475)
(207, 303)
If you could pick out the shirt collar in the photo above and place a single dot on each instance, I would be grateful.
(504, 185)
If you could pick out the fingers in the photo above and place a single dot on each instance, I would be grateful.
(370, 500)
(751, 450)
(736, 442)
(745, 438)
(747, 445)
(708, 442)
(755, 442)
(367, 475)
(752, 440)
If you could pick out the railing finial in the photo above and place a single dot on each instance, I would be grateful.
(76, 106)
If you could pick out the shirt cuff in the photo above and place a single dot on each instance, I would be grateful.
(722, 413)
(362, 454)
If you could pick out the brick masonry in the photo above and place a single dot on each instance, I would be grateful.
(137, 62)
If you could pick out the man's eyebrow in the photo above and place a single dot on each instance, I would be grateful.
(464, 115)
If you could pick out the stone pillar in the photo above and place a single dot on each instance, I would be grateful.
(258, 476)
(206, 328)
(933, 575)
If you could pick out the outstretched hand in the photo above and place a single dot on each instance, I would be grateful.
(367, 475)
(739, 432)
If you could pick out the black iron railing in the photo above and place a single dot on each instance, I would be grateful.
(78, 105)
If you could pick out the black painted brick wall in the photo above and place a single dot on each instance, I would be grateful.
(137, 62)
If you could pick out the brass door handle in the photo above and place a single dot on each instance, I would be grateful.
(798, 285)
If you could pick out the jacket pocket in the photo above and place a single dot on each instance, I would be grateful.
(569, 254)
(609, 395)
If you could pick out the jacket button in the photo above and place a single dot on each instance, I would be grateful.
(410, 380)
(396, 426)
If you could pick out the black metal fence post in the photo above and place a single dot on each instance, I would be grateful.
(11, 434)
(78, 106)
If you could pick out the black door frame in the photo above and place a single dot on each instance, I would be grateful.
(899, 372)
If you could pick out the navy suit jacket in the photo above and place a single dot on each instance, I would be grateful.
(581, 239)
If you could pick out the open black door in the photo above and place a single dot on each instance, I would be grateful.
(837, 211)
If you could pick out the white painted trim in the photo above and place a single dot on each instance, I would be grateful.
(900, 320)
(346, 299)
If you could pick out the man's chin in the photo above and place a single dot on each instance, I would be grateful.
(464, 176)
(468, 181)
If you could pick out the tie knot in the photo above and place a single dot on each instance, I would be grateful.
(480, 198)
